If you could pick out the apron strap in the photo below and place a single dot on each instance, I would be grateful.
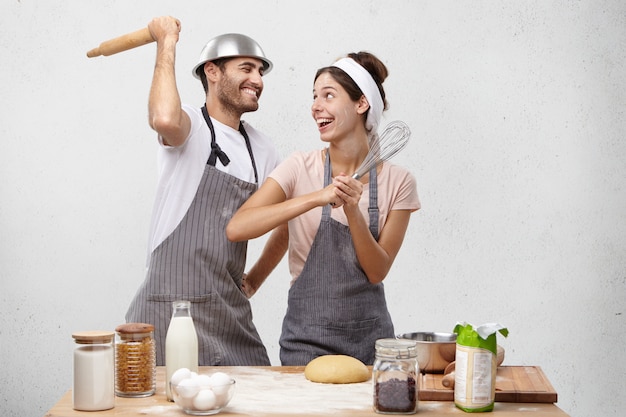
(373, 203)
(249, 146)
(327, 179)
(373, 200)
(217, 152)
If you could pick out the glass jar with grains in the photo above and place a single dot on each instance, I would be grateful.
(135, 360)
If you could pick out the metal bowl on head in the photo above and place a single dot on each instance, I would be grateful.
(230, 45)
(434, 350)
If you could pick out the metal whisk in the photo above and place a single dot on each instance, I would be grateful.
(393, 139)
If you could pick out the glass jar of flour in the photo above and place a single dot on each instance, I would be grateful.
(94, 371)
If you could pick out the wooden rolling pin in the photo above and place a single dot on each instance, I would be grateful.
(448, 376)
(448, 373)
(122, 43)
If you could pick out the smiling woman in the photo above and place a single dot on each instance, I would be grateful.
(343, 237)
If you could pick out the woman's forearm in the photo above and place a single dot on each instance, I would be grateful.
(371, 256)
(377, 257)
(252, 220)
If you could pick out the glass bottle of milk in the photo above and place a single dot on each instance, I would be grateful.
(181, 343)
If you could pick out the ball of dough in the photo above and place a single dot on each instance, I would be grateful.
(336, 369)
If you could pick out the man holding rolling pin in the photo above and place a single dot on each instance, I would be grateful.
(210, 162)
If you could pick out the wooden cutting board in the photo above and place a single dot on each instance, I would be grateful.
(521, 384)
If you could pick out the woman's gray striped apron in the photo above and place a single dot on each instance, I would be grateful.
(198, 263)
(332, 307)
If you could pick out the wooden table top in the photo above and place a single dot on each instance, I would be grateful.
(275, 390)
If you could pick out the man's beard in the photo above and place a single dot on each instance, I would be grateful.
(232, 99)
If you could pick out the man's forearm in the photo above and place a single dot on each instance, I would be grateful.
(272, 254)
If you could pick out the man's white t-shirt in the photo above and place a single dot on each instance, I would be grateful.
(180, 168)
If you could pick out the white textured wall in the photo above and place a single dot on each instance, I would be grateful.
(517, 112)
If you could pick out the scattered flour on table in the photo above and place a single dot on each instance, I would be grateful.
(161, 410)
(271, 392)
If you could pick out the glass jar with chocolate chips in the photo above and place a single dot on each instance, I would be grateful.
(135, 360)
(395, 376)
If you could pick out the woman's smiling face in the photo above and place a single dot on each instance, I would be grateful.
(332, 109)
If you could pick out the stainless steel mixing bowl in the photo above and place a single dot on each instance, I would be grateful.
(434, 350)
(230, 45)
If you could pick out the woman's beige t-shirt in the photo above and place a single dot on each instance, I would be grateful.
(303, 173)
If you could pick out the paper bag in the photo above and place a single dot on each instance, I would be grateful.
(475, 367)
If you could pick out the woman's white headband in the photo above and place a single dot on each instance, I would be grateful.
(366, 83)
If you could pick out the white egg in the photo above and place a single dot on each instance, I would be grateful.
(179, 375)
(193, 375)
(187, 388)
(219, 378)
(222, 391)
(204, 381)
(222, 398)
(205, 400)
(185, 403)
(220, 383)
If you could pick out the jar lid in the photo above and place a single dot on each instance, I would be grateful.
(128, 328)
(396, 348)
(93, 336)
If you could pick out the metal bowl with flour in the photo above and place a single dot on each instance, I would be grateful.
(434, 350)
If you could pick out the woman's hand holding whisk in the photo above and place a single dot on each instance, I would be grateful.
(348, 189)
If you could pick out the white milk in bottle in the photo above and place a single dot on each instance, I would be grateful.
(181, 343)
